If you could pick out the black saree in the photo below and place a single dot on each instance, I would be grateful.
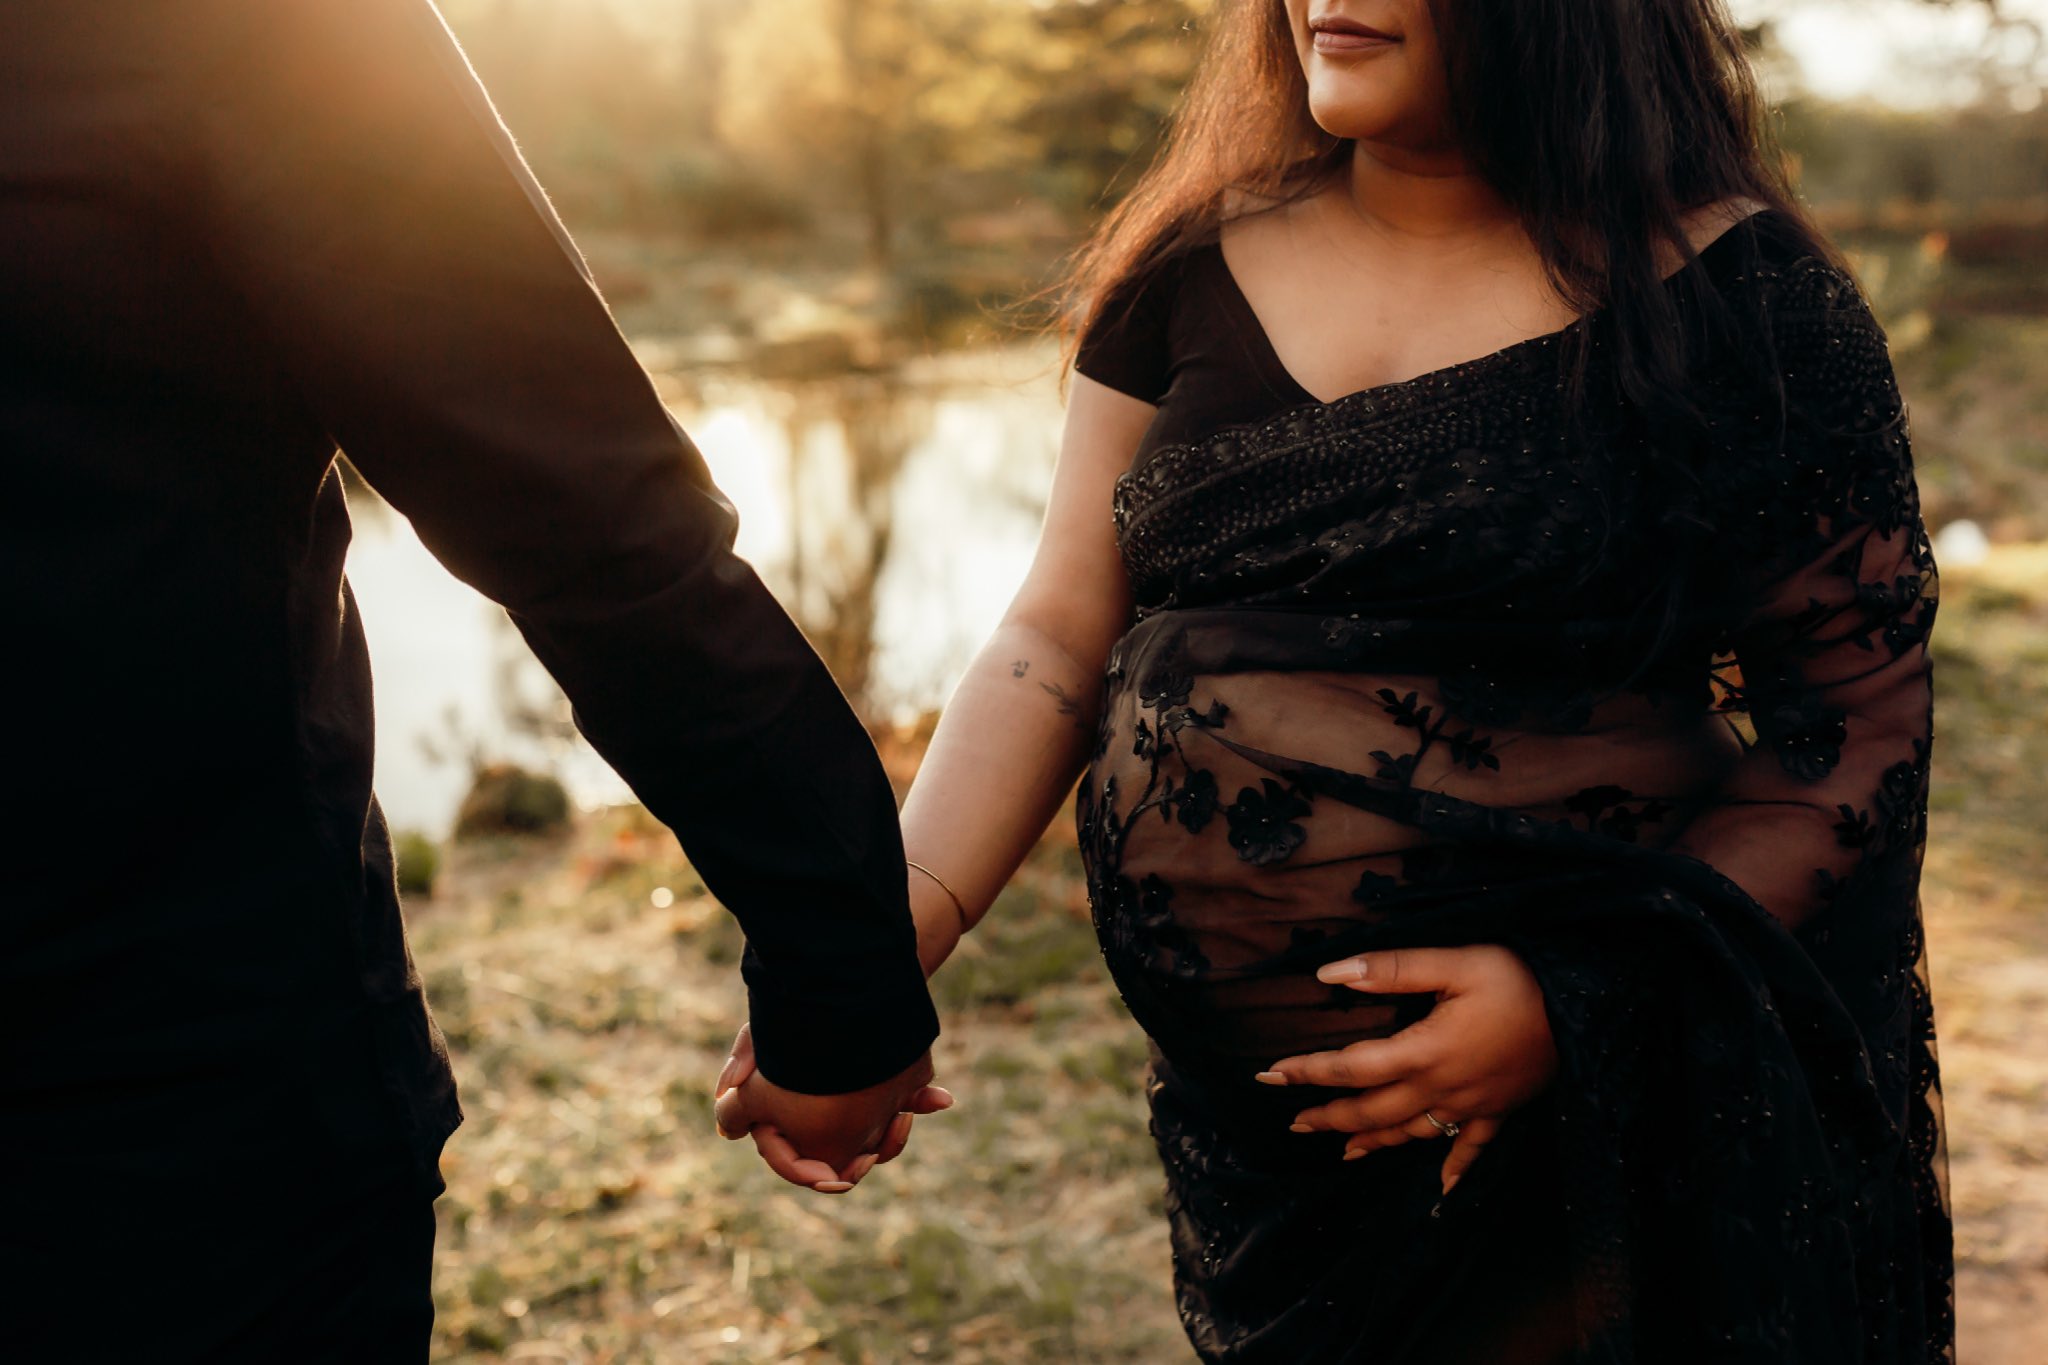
(1393, 681)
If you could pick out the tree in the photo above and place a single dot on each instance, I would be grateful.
(907, 112)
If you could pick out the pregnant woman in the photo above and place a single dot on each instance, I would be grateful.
(1484, 600)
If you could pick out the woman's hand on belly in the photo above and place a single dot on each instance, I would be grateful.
(1482, 1052)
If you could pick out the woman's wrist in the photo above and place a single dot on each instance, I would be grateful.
(939, 918)
(952, 896)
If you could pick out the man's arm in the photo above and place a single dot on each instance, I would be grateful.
(412, 283)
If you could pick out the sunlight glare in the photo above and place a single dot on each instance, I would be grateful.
(744, 448)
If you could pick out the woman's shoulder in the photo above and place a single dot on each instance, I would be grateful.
(1709, 223)
(1797, 292)
(1252, 222)
(1807, 333)
(1244, 209)
(1126, 336)
(1790, 262)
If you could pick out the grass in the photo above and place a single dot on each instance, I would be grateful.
(587, 987)
(592, 1215)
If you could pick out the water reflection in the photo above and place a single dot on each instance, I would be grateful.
(893, 511)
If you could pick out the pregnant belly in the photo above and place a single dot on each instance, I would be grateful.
(1219, 885)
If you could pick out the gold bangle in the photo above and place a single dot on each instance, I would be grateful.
(957, 906)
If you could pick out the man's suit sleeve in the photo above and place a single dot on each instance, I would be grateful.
(408, 277)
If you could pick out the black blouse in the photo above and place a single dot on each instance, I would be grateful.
(1182, 335)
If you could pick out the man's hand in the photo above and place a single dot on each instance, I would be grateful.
(824, 1142)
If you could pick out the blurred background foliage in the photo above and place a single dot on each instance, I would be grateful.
(863, 130)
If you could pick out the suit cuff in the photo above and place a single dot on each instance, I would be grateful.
(819, 1044)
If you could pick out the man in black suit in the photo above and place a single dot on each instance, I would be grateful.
(235, 234)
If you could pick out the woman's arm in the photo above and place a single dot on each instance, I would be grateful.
(1830, 796)
(1013, 736)
(1022, 720)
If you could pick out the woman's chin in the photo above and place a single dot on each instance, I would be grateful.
(1341, 110)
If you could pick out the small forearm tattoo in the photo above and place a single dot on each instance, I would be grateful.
(1068, 706)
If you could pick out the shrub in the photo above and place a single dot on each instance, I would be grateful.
(507, 799)
(720, 203)
(419, 862)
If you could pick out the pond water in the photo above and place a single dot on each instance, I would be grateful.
(954, 453)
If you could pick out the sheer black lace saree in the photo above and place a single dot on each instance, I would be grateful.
(1371, 699)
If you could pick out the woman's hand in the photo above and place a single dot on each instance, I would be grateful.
(824, 1142)
(1483, 1052)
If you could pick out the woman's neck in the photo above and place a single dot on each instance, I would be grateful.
(1426, 197)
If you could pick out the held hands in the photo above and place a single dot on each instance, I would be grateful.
(824, 1142)
(829, 1142)
(1483, 1051)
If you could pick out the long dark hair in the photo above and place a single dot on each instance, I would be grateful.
(1602, 123)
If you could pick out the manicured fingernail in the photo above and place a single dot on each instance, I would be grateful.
(862, 1166)
(1451, 1184)
(833, 1186)
(944, 1096)
(725, 1075)
(1271, 1078)
(1336, 973)
(1353, 1153)
(1299, 1128)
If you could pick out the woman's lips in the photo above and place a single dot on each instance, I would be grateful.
(1336, 36)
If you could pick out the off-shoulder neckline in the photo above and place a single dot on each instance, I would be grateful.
(1269, 355)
